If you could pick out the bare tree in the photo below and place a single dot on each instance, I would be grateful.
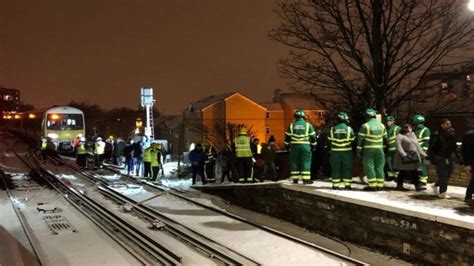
(220, 135)
(369, 53)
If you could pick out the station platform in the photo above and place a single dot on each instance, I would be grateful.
(417, 226)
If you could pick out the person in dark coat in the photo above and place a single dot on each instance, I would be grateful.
(269, 155)
(117, 153)
(467, 152)
(138, 157)
(441, 150)
(128, 153)
(320, 158)
(197, 159)
(226, 158)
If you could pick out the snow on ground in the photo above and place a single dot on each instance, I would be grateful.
(425, 204)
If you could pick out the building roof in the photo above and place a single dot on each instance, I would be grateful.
(272, 106)
(169, 121)
(207, 101)
(300, 101)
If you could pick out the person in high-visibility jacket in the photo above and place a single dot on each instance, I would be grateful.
(244, 156)
(44, 148)
(155, 163)
(210, 163)
(147, 162)
(370, 146)
(99, 149)
(341, 138)
(423, 134)
(300, 138)
(392, 132)
(81, 153)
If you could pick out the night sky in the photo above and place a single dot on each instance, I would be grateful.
(103, 51)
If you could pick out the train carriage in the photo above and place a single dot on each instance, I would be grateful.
(60, 123)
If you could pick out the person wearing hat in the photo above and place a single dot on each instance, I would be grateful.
(423, 135)
(341, 138)
(244, 156)
(300, 138)
(147, 161)
(44, 149)
(155, 155)
(370, 146)
(392, 132)
(81, 153)
(99, 148)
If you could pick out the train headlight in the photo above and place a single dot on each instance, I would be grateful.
(53, 135)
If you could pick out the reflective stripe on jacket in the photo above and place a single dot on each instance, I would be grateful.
(242, 147)
(341, 137)
(300, 132)
(423, 134)
(392, 137)
(372, 135)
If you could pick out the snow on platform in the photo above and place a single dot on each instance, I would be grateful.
(424, 204)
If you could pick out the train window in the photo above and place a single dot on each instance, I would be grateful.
(64, 121)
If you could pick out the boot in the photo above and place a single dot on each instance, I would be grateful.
(307, 182)
(347, 187)
(335, 188)
(401, 188)
(295, 181)
(370, 188)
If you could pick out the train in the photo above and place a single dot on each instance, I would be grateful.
(59, 124)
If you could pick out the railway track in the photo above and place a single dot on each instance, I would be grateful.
(144, 249)
(141, 208)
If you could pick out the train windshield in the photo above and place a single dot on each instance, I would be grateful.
(64, 122)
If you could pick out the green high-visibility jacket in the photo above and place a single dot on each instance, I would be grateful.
(423, 134)
(242, 147)
(372, 135)
(43, 145)
(300, 132)
(99, 147)
(341, 137)
(155, 156)
(81, 149)
(147, 155)
(393, 131)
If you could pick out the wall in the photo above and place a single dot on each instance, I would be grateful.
(240, 110)
(276, 125)
(415, 239)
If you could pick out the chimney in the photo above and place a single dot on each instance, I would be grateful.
(277, 95)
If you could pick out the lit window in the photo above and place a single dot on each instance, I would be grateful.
(468, 77)
(444, 85)
(7, 98)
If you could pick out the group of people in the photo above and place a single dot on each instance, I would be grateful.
(245, 161)
(134, 156)
(387, 151)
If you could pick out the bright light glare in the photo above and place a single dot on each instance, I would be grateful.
(470, 5)
(54, 116)
(32, 116)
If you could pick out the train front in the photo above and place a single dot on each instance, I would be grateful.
(62, 126)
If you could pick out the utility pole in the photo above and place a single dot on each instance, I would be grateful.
(147, 102)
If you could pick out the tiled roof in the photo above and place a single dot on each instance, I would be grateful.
(209, 100)
(272, 106)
